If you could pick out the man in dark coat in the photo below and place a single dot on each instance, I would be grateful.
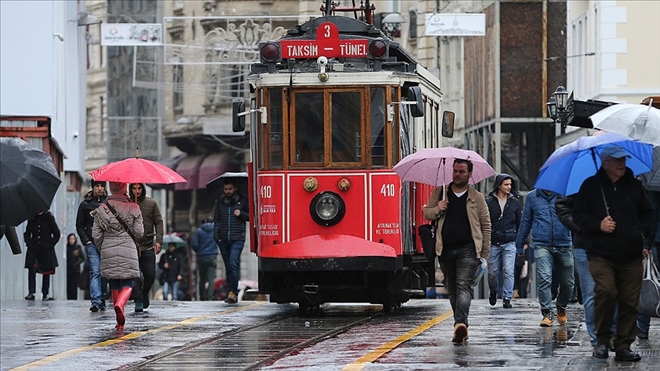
(84, 224)
(229, 217)
(505, 215)
(613, 211)
(153, 228)
(41, 235)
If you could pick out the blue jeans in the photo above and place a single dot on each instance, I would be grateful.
(97, 286)
(501, 264)
(459, 266)
(587, 287)
(231, 256)
(547, 258)
(172, 287)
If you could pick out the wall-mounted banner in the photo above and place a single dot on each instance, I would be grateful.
(455, 24)
(131, 34)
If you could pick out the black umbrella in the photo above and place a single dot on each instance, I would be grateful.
(28, 181)
(215, 186)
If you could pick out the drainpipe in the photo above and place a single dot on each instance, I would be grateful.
(544, 65)
(498, 93)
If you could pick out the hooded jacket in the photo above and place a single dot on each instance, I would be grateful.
(628, 204)
(151, 217)
(504, 223)
(540, 217)
(227, 226)
(203, 242)
(84, 220)
(119, 257)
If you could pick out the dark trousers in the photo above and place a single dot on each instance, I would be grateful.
(616, 283)
(72, 285)
(142, 286)
(206, 268)
(32, 282)
(458, 266)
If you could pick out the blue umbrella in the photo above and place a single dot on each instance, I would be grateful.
(567, 167)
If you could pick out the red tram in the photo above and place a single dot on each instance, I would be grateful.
(334, 105)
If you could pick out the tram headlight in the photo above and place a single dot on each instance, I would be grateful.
(270, 52)
(327, 209)
(377, 49)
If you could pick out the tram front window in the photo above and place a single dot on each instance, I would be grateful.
(346, 116)
(309, 127)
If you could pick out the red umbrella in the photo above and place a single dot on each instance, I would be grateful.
(137, 170)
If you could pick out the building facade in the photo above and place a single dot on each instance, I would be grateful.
(42, 94)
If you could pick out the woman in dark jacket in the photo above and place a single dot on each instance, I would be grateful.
(505, 213)
(74, 258)
(170, 263)
(41, 235)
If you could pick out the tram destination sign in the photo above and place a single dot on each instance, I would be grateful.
(327, 44)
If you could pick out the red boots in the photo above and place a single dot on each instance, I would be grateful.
(119, 299)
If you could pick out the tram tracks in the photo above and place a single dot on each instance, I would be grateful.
(251, 347)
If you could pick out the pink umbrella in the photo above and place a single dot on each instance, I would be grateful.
(434, 166)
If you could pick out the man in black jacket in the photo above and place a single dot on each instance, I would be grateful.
(84, 223)
(229, 217)
(613, 211)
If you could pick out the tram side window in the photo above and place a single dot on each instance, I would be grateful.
(346, 116)
(377, 127)
(275, 117)
(309, 127)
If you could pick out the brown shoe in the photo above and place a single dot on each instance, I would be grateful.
(460, 333)
(231, 298)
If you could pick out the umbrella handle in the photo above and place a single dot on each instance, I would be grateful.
(444, 181)
(602, 192)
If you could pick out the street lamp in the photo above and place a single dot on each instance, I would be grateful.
(565, 110)
(552, 108)
(560, 106)
(561, 97)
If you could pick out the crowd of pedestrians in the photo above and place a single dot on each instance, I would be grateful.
(599, 234)
(119, 234)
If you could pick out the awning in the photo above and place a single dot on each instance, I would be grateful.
(213, 166)
(200, 169)
(189, 169)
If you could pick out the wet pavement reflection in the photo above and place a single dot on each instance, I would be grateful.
(64, 335)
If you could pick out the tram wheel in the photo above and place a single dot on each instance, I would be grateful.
(308, 308)
(391, 306)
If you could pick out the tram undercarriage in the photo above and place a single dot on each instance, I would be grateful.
(356, 280)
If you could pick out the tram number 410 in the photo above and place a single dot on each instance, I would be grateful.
(388, 190)
(266, 192)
